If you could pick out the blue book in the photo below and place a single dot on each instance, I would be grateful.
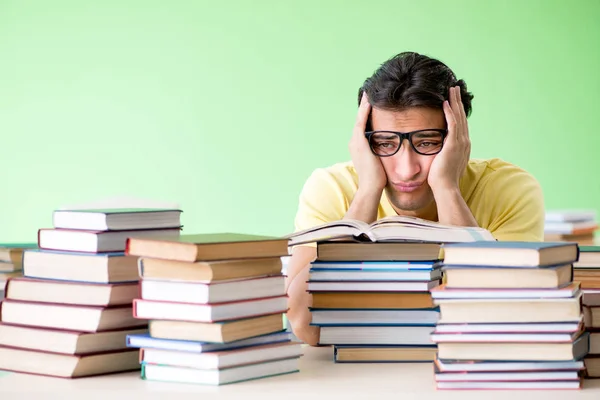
(146, 341)
(511, 254)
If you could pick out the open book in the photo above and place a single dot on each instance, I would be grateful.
(390, 229)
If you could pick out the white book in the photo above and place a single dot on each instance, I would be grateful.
(371, 286)
(376, 335)
(509, 328)
(575, 384)
(491, 366)
(217, 377)
(215, 292)
(373, 317)
(507, 376)
(147, 341)
(222, 359)
(504, 337)
(158, 310)
(428, 275)
(570, 215)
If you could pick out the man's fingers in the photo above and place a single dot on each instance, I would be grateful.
(450, 119)
(463, 115)
(363, 115)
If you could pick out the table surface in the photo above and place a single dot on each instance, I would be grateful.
(318, 375)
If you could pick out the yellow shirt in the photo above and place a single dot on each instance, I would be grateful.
(504, 199)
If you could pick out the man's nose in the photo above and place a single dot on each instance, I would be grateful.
(406, 162)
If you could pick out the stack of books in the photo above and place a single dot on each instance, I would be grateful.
(372, 300)
(71, 312)
(215, 305)
(371, 284)
(11, 262)
(587, 272)
(510, 317)
(571, 225)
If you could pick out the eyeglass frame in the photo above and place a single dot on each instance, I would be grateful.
(408, 136)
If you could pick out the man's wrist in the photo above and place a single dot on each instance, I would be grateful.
(368, 195)
(445, 191)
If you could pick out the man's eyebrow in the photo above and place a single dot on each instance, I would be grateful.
(388, 137)
(427, 134)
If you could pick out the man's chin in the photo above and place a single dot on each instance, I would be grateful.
(408, 201)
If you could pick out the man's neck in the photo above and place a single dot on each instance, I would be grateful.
(428, 213)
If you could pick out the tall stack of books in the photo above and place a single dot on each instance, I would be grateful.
(215, 303)
(371, 285)
(571, 225)
(510, 317)
(587, 273)
(11, 262)
(70, 314)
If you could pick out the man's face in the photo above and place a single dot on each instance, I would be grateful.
(407, 170)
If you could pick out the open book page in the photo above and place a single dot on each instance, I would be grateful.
(394, 228)
(346, 228)
(412, 228)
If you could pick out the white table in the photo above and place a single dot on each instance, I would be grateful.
(318, 376)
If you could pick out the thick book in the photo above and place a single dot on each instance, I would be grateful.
(383, 354)
(67, 365)
(395, 228)
(207, 271)
(343, 250)
(365, 300)
(96, 241)
(448, 365)
(334, 317)
(13, 252)
(470, 277)
(69, 317)
(80, 267)
(117, 219)
(509, 310)
(506, 292)
(589, 257)
(372, 286)
(376, 335)
(64, 341)
(511, 254)
(208, 247)
(373, 275)
(216, 377)
(144, 340)
(215, 292)
(217, 332)
(150, 309)
(77, 293)
(222, 359)
(520, 351)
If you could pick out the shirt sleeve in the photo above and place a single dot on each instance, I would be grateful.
(517, 206)
(321, 200)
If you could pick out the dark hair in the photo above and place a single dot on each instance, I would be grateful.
(413, 80)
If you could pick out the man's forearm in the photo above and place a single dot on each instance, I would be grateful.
(364, 206)
(452, 208)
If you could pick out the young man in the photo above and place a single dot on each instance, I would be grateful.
(410, 152)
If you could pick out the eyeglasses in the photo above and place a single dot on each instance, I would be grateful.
(426, 142)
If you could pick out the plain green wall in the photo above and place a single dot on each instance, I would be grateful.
(227, 106)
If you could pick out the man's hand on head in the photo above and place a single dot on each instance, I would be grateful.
(450, 164)
(371, 175)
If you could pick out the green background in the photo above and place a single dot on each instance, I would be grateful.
(227, 106)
